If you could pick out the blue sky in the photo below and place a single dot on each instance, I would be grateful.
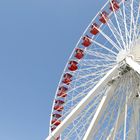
(36, 40)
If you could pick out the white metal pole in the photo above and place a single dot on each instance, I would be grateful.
(100, 110)
(125, 119)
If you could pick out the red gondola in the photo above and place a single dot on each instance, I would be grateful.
(58, 108)
(63, 89)
(73, 66)
(57, 115)
(103, 17)
(59, 102)
(79, 53)
(53, 128)
(94, 29)
(62, 92)
(63, 95)
(67, 78)
(114, 5)
(86, 41)
(56, 122)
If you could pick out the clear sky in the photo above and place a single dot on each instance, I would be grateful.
(36, 39)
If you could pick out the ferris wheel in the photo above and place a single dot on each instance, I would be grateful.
(98, 96)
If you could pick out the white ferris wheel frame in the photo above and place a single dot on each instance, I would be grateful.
(113, 73)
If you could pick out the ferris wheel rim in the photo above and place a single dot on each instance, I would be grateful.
(74, 50)
(72, 55)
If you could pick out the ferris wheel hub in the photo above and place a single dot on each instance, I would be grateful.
(122, 55)
(134, 53)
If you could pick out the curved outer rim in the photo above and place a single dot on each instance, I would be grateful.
(66, 66)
